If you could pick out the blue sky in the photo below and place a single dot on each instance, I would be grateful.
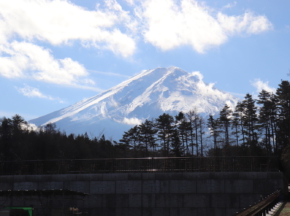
(54, 53)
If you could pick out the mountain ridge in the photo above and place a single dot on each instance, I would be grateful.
(145, 95)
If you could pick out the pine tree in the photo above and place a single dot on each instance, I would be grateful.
(250, 120)
(134, 138)
(201, 125)
(165, 126)
(267, 119)
(193, 119)
(283, 132)
(6, 138)
(125, 141)
(183, 127)
(176, 145)
(236, 126)
(19, 128)
(225, 124)
(239, 113)
(147, 135)
(213, 126)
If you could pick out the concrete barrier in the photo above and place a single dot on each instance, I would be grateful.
(146, 194)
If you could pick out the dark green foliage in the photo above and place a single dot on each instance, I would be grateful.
(249, 121)
(147, 133)
(165, 126)
(268, 120)
(184, 128)
(176, 147)
(212, 124)
(225, 124)
(283, 106)
(18, 142)
(167, 136)
(262, 130)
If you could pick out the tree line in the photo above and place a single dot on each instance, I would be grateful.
(19, 142)
(254, 127)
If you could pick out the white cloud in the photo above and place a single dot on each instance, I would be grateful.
(198, 74)
(26, 60)
(260, 85)
(30, 127)
(248, 23)
(24, 23)
(230, 5)
(29, 91)
(168, 25)
(61, 22)
(132, 121)
(130, 2)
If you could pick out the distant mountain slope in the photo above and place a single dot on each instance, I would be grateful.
(146, 95)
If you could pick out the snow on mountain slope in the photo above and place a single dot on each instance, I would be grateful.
(146, 95)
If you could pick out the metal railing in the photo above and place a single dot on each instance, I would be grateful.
(262, 207)
(150, 164)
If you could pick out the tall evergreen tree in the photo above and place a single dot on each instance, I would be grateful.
(239, 115)
(193, 119)
(134, 138)
(176, 145)
(6, 138)
(225, 124)
(212, 124)
(236, 127)
(165, 126)
(147, 135)
(183, 127)
(250, 120)
(125, 141)
(283, 96)
(201, 132)
(267, 119)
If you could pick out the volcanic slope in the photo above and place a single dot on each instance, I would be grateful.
(144, 96)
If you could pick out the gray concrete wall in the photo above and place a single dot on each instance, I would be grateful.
(147, 194)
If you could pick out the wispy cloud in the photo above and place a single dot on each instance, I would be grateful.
(130, 2)
(230, 5)
(29, 91)
(109, 73)
(237, 94)
(260, 85)
(247, 23)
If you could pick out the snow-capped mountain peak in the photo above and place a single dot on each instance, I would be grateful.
(145, 95)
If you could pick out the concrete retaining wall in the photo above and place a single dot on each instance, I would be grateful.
(146, 194)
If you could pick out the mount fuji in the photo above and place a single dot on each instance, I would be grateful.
(144, 96)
